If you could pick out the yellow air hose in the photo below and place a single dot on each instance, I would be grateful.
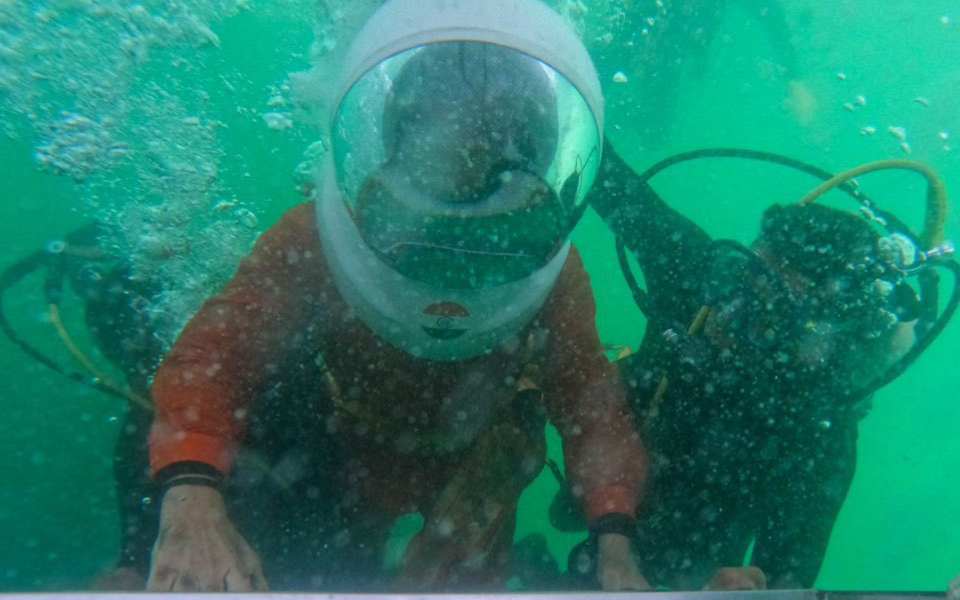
(936, 217)
(105, 381)
(88, 365)
(695, 328)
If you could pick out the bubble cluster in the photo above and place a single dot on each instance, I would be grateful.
(76, 146)
(102, 90)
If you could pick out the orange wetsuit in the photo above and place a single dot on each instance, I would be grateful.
(283, 300)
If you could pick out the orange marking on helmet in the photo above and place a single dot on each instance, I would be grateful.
(446, 309)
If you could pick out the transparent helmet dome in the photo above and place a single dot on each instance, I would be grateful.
(465, 165)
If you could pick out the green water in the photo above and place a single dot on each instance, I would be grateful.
(898, 529)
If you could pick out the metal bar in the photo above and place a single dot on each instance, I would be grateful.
(742, 595)
(739, 595)
(882, 595)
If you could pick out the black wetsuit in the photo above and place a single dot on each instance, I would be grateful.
(744, 445)
(124, 334)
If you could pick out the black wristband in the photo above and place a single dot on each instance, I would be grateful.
(619, 523)
(188, 473)
(191, 480)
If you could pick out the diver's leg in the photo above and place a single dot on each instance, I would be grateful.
(467, 537)
(138, 504)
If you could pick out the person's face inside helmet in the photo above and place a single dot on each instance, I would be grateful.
(461, 117)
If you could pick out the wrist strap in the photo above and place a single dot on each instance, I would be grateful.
(620, 523)
(189, 473)
(191, 480)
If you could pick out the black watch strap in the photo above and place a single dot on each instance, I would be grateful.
(620, 523)
(189, 473)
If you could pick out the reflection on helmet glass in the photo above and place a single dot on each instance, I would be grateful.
(465, 165)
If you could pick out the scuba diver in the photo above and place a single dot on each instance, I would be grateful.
(432, 290)
(756, 367)
(115, 316)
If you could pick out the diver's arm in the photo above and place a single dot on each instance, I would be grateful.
(791, 548)
(670, 248)
(605, 459)
(202, 392)
(236, 340)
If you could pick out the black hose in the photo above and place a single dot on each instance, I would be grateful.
(894, 224)
(640, 296)
(10, 277)
(53, 285)
(770, 157)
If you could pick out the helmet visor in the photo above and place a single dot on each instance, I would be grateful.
(465, 164)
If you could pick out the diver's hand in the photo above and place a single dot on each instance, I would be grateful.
(954, 592)
(616, 569)
(199, 549)
(737, 578)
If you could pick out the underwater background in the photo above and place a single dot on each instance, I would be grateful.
(184, 127)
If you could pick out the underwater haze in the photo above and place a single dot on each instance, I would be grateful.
(188, 128)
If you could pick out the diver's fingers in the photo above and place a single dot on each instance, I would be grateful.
(204, 561)
(164, 567)
(259, 581)
(206, 575)
(237, 580)
(616, 569)
(252, 568)
(162, 579)
(737, 578)
(246, 573)
(623, 580)
(186, 582)
(635, 583)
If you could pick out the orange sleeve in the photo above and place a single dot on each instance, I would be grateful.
(606, 461)
(203, 389)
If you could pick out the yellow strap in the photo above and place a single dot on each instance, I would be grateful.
(88, 365)
(251, 459)
(696, 326)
